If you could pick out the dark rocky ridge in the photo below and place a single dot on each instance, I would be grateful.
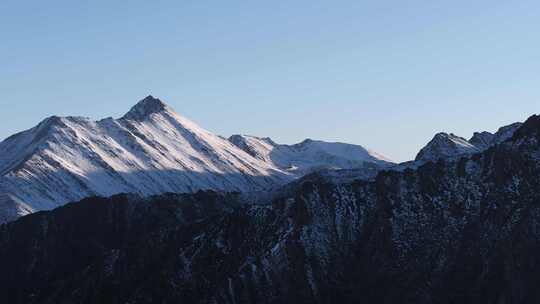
(452, 231)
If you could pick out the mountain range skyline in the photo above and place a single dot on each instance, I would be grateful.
(421, 139)
(152, 150)
(386, 75)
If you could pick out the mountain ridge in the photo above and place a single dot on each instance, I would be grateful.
(152, 150)
(309, 155)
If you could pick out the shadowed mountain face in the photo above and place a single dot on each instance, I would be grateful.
(452, 231)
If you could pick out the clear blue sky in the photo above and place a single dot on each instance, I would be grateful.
(384, 74)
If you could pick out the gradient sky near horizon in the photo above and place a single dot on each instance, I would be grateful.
(384, 74)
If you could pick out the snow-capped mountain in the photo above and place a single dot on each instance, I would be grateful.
(150, 150)
(309, 155)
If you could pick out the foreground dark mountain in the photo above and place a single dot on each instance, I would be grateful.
(453, 231)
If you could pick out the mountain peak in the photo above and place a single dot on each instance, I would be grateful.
(147, 106)
(482, 140)
(531, 127)
(444, 145)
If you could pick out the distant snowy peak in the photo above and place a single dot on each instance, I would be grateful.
(445, 145)
(343, 150)
(309, 155)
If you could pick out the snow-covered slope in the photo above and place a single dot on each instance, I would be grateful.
(150, 150)
(309, 155)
